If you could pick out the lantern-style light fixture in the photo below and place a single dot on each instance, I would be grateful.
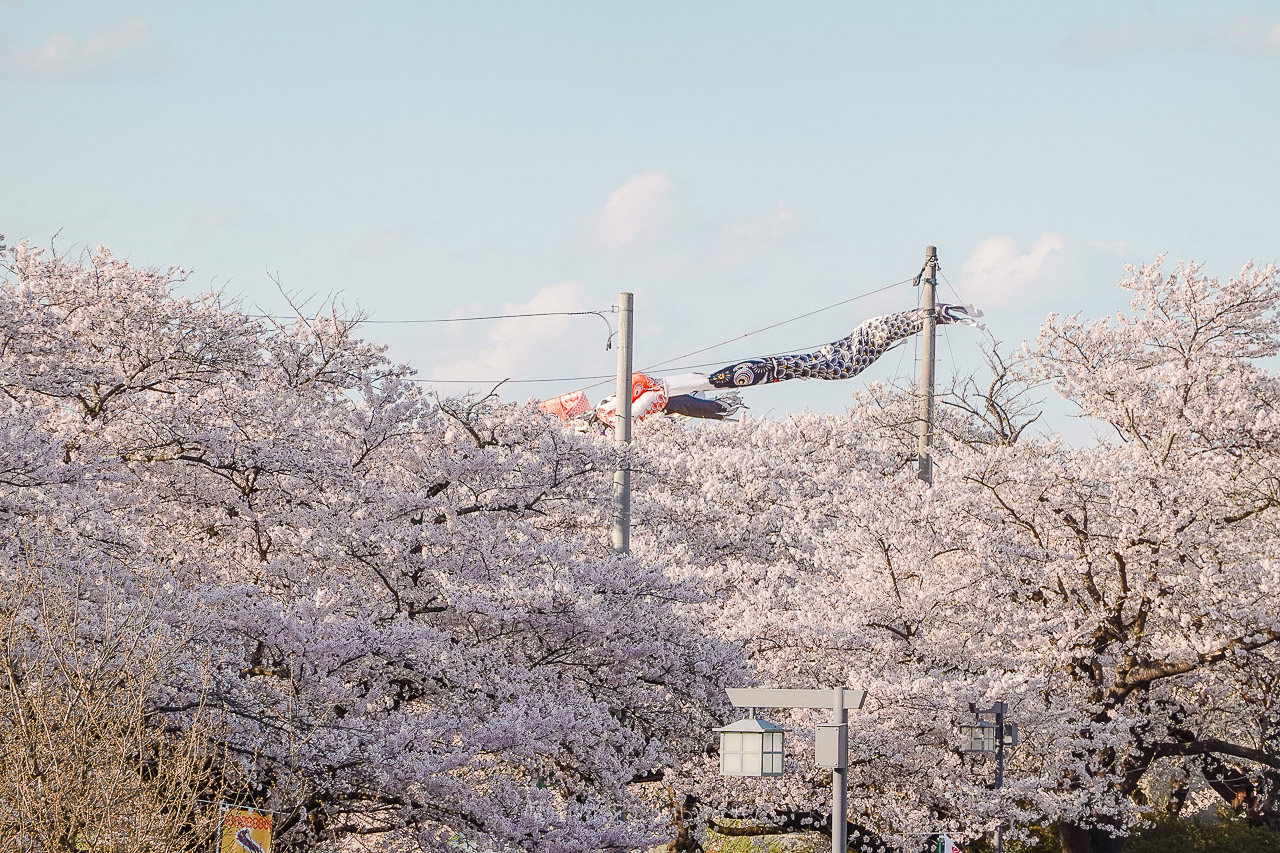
(751, 747)
(984, 736)
(978, 737)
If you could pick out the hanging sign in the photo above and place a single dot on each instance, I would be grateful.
(245, 831)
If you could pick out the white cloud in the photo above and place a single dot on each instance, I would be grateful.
(741, 241)
(1271, 40)
(526, 347)
(1245, 33)
(636, 213)
(127, 47)
(997, 273)
(652, 221)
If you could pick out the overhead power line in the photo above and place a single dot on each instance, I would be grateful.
(613, 309)
(600, 314)
(507, 381)
(608, 343)
(780, 323)
(603, 378)
(675, 369)
(959, 298)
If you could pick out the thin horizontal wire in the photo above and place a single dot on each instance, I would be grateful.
(763, 329)
(604, 378)
(506, 381)
(613, 309)
(779, 323)
(809, 348)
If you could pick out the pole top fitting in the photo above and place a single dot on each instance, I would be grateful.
(930, 252)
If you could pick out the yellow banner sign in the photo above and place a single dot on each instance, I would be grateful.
(245, 831)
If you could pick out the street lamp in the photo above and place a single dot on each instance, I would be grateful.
(754, 747)
(986, 737)
(751, 747)
(981, 736)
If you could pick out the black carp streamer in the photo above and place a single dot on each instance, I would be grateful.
(842, 359)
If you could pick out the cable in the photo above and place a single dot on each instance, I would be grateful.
(959, 298)
(610, 376)
(990, 336)
(608, 342)
(897, 371)
(506, 381)
(915, 282)
(657, 364)
(776, 325)
(612, 310)
(603, 379)
(915, 356)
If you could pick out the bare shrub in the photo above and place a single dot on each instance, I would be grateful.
(85, 761)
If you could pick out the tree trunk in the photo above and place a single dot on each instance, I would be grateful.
(1267, 805)
(685, 841)
(1078, 839)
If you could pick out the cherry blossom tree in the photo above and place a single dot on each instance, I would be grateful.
(404, 612)
(406, 617)
(1120, 596)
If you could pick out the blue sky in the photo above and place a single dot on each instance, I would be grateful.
(733, 164)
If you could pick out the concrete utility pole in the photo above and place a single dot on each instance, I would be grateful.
(622, 430)
(924, 451)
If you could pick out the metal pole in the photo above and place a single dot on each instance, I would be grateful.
(1000, 709)
(840, 786)
(622, 430)
(924, 456)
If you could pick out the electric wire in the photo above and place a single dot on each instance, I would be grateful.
(991, 337)
(653, 367)
(611, 310)
(507, 381)
(897, 370)
(915, 358)
(947, 337)
(776, 325)
(959, 298)
(896, 374)
(610, 376)
(608, 342)
(605, 378)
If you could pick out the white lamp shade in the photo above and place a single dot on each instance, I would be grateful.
(978, 737)
(751, 748)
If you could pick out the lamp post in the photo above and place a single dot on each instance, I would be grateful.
(754, 747)
(985, 737)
